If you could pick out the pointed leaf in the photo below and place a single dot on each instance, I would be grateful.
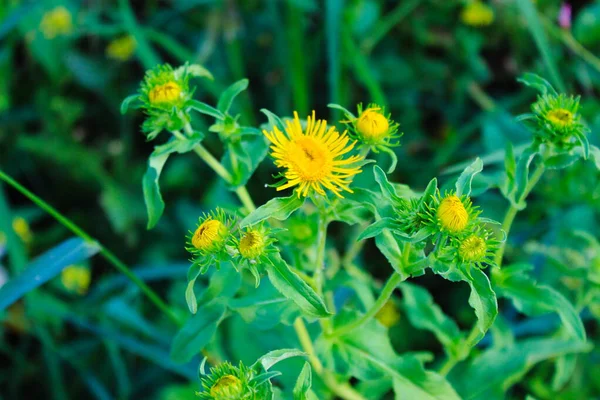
(279, 208)
(230, 94)
(463, 183)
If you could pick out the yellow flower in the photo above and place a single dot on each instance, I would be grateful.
(76, 278)
(165, 93)
(372, 124)
(388, 315)
(472, 249)
(227, 387)
(477, 13)
(21, 228)
(452, 214)
(560, 117)
(252, 244)
(312, 158)
(122, 48)
(209, 234)
(55, 22)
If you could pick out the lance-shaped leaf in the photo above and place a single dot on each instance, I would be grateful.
(279, 208)
(230, 94)
(464, 181)
(289, 284)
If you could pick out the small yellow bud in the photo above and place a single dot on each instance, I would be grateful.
(477, 13)
(372, 124)
(251, 244)
(21, 228)
(165, 93)
(76, 278)
(560, 117)
(55, 22)
(122, 48)
(210, 233)
(227, 387)
(472, 249)
(452, 214)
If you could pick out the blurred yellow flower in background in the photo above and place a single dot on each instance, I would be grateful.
(56, 22)
(76, 278)
(122, 48)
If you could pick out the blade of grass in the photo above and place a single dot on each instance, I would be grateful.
(107, 254)
(534, 24)
(297, 64)
(386, 24)
(333, 20)
(147, 55)
(362, 69)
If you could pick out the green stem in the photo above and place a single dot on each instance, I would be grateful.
(343, 390)
(512, 212)
(468, 344)
(386, 24)
(320, 261)
(219, 169)
(104, 252)
(384, 296)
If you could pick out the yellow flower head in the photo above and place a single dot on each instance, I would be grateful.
(560, 117)
(55, 22)
(252, 243)
(227, 387)
(21, 228)
(477, 13)
(452, 214)
(372, 125)
(76, 279)
(312, 158)
(122, 48)
(166, 93)
(472, 249)
(209, 234)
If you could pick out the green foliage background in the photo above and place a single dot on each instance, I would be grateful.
(453, 88)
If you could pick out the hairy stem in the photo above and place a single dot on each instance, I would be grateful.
(104, 252)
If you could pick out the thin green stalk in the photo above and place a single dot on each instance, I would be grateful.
(320, 261)
(512, 212)
(219, 169)
(343, 390)
(384, 296)
(104, 252)
(468, 344)
(297, 57)
(386, 24)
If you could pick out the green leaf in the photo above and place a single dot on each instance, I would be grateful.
(230, 94)
(341, 108)
(463, 183)
(46, 267)
(494, 371)
(128, 102)
(376, 228)
(289, 284)
(197, 332)
(279, 208)
(206, 109)
(303, 384)
(595, 152)
(522, 173)
(243, 156)
(585, 144)
(155, 205)
(533, 299)
(561, 161)
(190, 295)
(264, 307)
(424, 313)
(482, 299)
(195, 70)
(565, 368)
(275, 356)
(537, 82)
(274, 120)
(387, 189)
(367, 354)
(429, 191)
